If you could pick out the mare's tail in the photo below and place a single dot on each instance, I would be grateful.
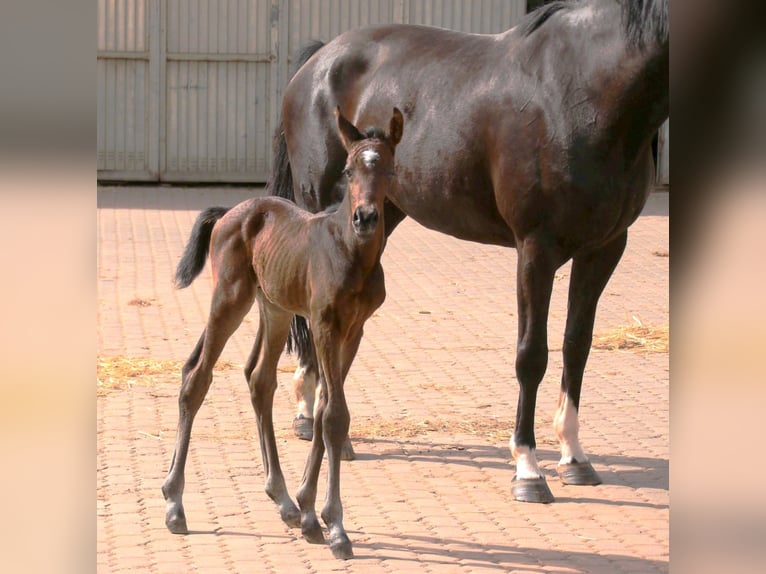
(193, 260)
(282, 177)
(282, 186)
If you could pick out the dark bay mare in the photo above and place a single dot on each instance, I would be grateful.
(538, 138)
(325, 267)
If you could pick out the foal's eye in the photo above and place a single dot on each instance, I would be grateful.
(347, 172)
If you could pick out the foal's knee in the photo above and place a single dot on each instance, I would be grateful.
(336, 419)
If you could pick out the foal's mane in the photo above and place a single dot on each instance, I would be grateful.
(644, 21)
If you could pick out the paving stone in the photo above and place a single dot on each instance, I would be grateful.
(438, 358)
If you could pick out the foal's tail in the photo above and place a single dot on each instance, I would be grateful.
(281, 185)
(193, 260)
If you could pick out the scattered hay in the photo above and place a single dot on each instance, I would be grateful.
(635, 337)
(404, 427)
(138, 302)
(120, 373)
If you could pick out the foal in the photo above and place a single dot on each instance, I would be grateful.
(325, 267)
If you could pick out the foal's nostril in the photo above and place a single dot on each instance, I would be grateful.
(365, 217)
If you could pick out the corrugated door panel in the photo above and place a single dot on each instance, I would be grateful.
(123, 89)
(323, 20)
(663, 152)
(217, 122)
(474, 16)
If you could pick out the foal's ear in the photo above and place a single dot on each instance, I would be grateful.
(348, 133)
(395, 127)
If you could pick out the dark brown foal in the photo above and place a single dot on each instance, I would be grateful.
(325, 267)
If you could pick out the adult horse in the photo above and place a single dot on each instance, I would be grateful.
(538, 138)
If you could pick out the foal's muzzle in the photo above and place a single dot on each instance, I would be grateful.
(365, 219)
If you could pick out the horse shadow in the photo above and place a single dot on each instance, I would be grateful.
(493, 556)
(614, 469)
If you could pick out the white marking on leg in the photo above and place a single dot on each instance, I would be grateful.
(566, 424)
(303, 383)
(526, 461)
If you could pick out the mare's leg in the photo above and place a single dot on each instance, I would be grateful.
(537, 263)
(590, 274)
(305, 383)
(229, 306)
(261, 374)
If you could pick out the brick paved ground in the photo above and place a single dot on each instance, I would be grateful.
(432, 396)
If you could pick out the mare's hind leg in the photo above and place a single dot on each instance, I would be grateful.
(261, 374)
(227, 311)
(537, 263)
(305, 385)
(590, 274)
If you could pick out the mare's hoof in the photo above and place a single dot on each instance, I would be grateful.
(531, 490)
(578, 473)
(342, 549)
(303, 427)
(347, 451)
(176, 523)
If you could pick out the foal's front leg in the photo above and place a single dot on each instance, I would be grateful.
(331, 424)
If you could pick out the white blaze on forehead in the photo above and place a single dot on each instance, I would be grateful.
(370, 157)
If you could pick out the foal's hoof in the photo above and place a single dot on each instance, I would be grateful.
(176, 523)
(303, 427)
(312, 532)
(341, 548)
(578, 473)
(531, 490)
(347, 451)
(290, 516)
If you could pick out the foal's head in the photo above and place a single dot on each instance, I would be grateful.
(369, 170)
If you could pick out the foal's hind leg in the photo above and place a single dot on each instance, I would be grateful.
(590, 274)
(537, 263)
(226, 314)
(261, 373)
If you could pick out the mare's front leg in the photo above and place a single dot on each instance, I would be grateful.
(261, 374)
(228, 309)
(590, 274)
(537, 263)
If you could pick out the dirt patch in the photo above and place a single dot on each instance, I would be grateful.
(405, 427)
